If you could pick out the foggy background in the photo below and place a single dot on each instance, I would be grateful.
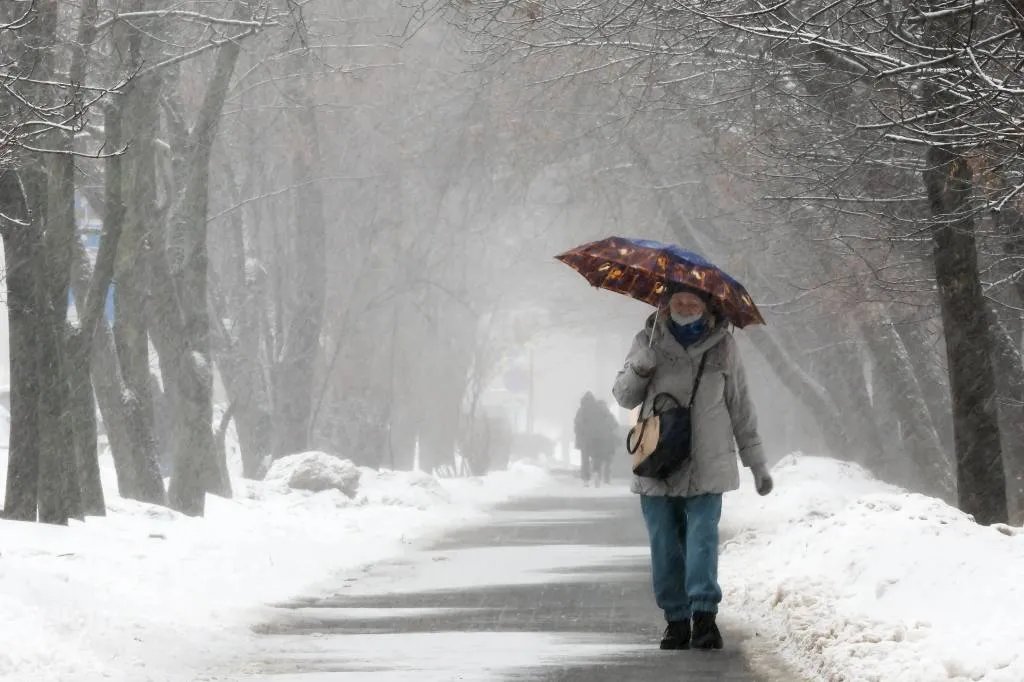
(365, 257)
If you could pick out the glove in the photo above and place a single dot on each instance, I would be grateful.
(762, 479)
(644, 361)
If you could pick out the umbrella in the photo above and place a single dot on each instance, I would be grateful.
(647, 270)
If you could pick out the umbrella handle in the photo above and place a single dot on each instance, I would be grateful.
(650, 341)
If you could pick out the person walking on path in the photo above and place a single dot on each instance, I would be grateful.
(596, 432)
(682, 350)
(603, 454)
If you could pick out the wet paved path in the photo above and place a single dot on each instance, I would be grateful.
(553, 589)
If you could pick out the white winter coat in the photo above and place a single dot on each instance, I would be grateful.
(723, 415)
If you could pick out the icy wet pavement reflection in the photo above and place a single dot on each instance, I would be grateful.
(553, 589)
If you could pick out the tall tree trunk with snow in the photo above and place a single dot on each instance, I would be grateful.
(293, 373)
(401, 443)
(105, 373)
(810, 392)
(402, 403)
(1009, 367)
(981, 479)
(188, 388)
(128, 421)
(238, 295)
(238, 298)
(123, 390)
(82, 414)
(132, 294)
(929, 463)
(927, 360)
(61, 245)
(117, 420)
(844, 380)
(123, 417)
(236, 352)
(22, 491)
(59, 489)
(180, 263)
(47, 454)
(446, 356)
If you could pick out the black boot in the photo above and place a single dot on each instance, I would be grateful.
(705, 632)
(677, 635)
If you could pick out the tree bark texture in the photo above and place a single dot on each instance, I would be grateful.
(981, 480)
(22, 492)
(179, 267)
(304, 312)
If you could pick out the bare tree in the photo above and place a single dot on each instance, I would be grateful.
(871, 86)
(41, 111)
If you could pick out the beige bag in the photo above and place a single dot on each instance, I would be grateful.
(643, 439)
(653, 458)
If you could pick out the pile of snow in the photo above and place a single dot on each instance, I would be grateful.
(400, 488)
(860, 581)
(316, 472)
(148, 594)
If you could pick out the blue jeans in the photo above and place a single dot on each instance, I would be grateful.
(684, 552)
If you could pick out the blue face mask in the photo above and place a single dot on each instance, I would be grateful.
(688, 334)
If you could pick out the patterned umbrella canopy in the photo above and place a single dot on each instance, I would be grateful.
(647, 270)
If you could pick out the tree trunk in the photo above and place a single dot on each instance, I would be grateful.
(23, 453)
(1010, 381)
(818, 402)
(238, 296)
(62, 243)
(246, 393)
(446, 358)
(220, 438)
(60, 496)
(1009, 370)
(110, 392)
(123, 418)
(931, 376)
(402, 431)
(931, 469)
(181, 305)
(304, 313)
(981, 479)
(131, 296)
(83, 423)
(126, 411)
(187, 389)
(844, 381)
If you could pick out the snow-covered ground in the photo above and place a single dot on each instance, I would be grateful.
(849, 578)
(858, 581)
(147, 594)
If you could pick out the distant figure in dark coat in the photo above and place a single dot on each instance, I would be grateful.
(596, 434)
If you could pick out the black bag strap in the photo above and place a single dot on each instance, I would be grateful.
(641, 426)
(635, 437)
(633, 443)
(700, 373)
(693, 394)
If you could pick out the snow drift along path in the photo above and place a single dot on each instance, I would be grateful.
(858, 581)
(147, 594)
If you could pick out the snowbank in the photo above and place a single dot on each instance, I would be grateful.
(861, 581)
(148, 594)
(316, 472)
